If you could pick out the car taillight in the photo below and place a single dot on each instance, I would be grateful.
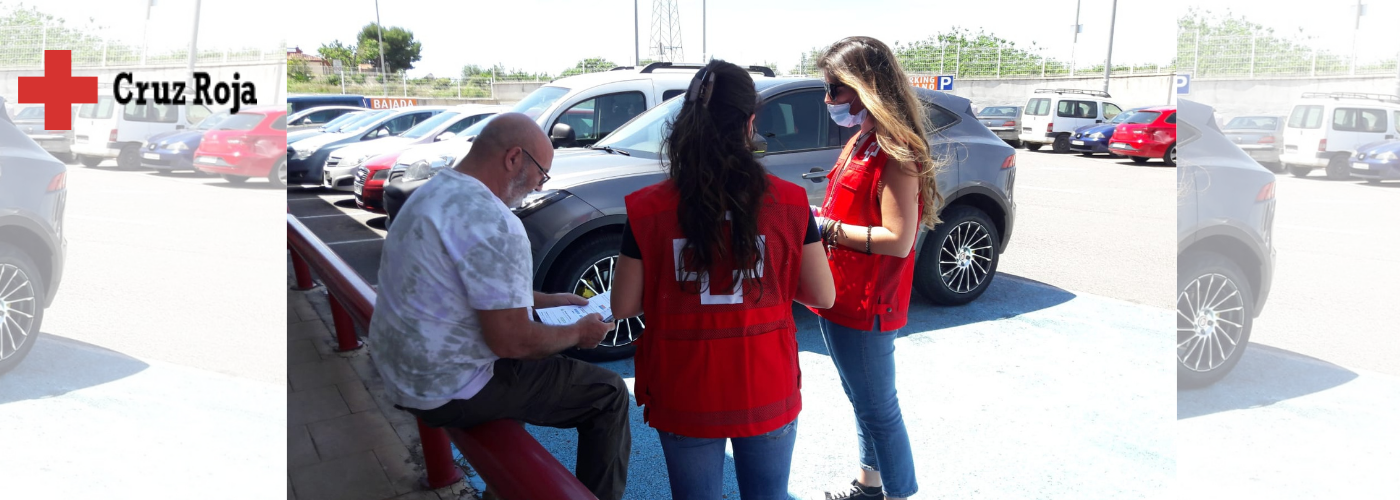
(1322, 145)
(1009, 162)
(1050, 127)
(1009, 123)
(1266, 193)
(59, 181)
(112, 137)
(1268, 139)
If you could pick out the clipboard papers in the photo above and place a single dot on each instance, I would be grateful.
(568, 315)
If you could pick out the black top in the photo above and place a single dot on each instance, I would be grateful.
(630, 248)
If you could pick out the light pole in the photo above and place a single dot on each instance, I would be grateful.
(1360, 11)
(379, 32)
(194, 38)
(146, 28)
(636, 35)
(1077, 28)
(1108, 61)
(704, 51)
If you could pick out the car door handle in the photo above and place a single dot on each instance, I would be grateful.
(817, 175)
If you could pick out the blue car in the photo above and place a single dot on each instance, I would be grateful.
(343, 122)
(1377, 161)
(1091, 139)
(174, 150)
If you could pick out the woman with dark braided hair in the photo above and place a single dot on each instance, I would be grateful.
(714, 256)
(882, 189)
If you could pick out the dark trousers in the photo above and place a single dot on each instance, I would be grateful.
(556, 392)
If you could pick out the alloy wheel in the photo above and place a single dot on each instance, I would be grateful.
(965, 257)
(1209, 323)
(598, 279)
(17, 309)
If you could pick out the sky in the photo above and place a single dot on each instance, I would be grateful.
(223, 23)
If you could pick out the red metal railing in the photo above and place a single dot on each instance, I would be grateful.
(511, 462)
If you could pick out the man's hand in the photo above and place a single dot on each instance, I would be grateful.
(546, 300)
(591, 330)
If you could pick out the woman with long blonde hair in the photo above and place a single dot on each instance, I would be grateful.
(882, 189)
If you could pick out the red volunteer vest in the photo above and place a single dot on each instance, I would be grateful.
(867, 286)
(721, 363)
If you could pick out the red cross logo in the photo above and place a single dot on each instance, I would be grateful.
(58, 90)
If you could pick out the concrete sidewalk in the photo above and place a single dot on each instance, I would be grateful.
(345, 441)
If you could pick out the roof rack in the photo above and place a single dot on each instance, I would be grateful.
(1098, 93)
(763, 70)
(1352, 95)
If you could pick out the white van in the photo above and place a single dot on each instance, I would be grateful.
(105, 130)
(1325, 129)
(1052, 115)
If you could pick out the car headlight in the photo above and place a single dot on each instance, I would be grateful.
(1387, 156)
(1096, 135)
(179, 146)
(361, 160)
(419, 170)
(537, 200)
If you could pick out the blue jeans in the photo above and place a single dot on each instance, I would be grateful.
(865, 362)
(762, 463)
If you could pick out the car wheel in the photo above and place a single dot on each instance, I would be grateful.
(21, 312)
(1139, 159)
(1061, 144)
(1016, 144)
(89, 161)
(1170, 156)
(1298, 171)
(233, 179)
(587, 271)
(1033, 146)
(1215, 311)
(959, 257)
(64, 157)
(129, 158)
(278, 175)
(1338, 168)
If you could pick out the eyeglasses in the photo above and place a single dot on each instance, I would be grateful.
(833, 87)
(537, 165)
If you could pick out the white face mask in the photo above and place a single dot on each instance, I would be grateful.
(841, 114)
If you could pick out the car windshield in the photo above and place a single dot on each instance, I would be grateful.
(364, 122)
(645, 133)
(1142, 117)
(241, 121)
(30, 113)
(538, 101)
(1122, 117)
(212, 120)
(422, 129)
(343, 119)
(1252, 123)
(1007, 111)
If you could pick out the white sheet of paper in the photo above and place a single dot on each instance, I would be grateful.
(568, 315)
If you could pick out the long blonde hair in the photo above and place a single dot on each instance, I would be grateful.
(869, 67)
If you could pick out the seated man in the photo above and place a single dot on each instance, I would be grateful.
(452, 334)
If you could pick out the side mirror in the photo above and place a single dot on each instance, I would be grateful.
(561, 135)
(445, 136)
(760, 145)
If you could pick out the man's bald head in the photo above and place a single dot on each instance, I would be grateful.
(504, 156)
(509, 130)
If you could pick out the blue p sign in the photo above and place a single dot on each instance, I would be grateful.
(945, 83)
(1183, 84)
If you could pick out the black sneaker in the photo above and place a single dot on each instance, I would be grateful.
(857, 491)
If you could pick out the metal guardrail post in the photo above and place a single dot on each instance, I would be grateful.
(344, 327)
(303, 272)
(437, 457)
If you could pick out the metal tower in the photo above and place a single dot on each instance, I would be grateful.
(665, 32)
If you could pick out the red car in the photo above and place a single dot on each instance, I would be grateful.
(370, 179)
(252, 143)
(1148, 133)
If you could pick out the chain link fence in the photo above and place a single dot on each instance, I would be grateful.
(1263, 56)
(316, 77)
(22, 47)
(971, 61)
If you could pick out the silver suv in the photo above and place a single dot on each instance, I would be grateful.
(575, 223)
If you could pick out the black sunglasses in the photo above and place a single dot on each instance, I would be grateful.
(833, 87)
(537, 165)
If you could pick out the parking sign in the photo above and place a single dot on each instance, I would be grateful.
(945, 83)
(932, 82)
(1183, 84)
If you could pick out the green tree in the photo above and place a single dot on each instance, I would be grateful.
(590, 65)
(1221, 37)
(335, 51)
(400, 49)
(298, 71)
(22, 26)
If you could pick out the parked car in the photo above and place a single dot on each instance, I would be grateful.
(1325, 129)
(1225, 253)
(574, 222)
(251, 143)
(33, 245)
(299, 103)
(318, 116)
(369, 182)
(1377, 161)
(1090, 139)
(339, 171)
(1261, 136)
(308, 156)
(342, 123)
(1051, 115)
(105, 130)
(170, 151)
(1149, 133)
(577, 111)
(30, 119)
(1004, 121)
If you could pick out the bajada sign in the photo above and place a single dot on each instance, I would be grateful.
(386, 103)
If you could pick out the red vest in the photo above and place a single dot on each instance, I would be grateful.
(721, 363)
(867, 286)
